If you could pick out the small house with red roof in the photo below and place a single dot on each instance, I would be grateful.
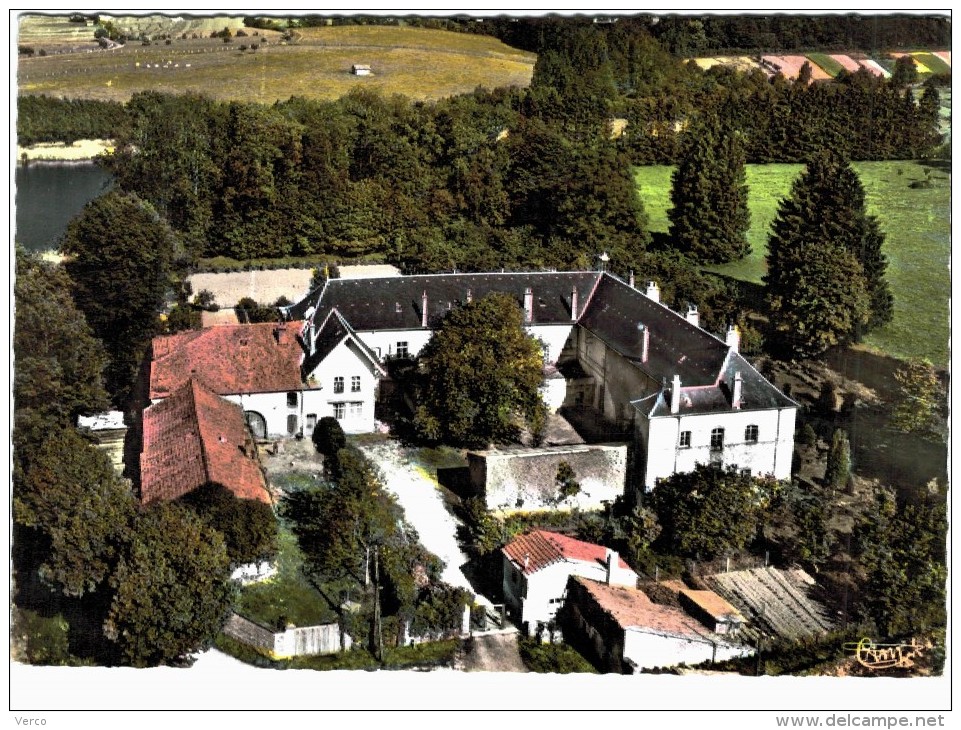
(621, 630)
(537, 566)
(193, 438)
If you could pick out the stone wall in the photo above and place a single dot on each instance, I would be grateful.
(519, 479)
(298, 641)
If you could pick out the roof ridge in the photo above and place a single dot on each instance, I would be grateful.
(195, 386)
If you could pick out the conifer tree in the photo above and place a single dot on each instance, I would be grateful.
(710, 217)
(826, 272)
(839, 461)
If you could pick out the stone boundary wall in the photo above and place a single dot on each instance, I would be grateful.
(299, 641)
(513, 480)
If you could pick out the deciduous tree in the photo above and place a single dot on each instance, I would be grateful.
(709, 511)
(920, 400)
(58, 364)
(121, 257)
(482, 374)
(171, 589)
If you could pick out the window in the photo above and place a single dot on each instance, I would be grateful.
(338, 384)
(685, 440)
(356, 410)
(292, 399)
(402, 350)
(291, 424)
(750, 434)
(340, 410)
(717, 439)
(355, 384)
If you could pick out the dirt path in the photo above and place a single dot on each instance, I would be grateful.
(419, 494)
(494, 653)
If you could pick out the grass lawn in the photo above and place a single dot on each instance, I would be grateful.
(916, 222)
(287, 597)
(417, 62)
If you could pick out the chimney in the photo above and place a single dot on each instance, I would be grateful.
(692, 315)
(630, 280)
(423, 309)
(736, 391)
(573, 304)
(733, 338)
(529, 305)
(645, 341)
(653, 293)
(676, 394)
(613, 567)
(312, 333)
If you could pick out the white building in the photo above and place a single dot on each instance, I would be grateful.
(537, 566)
(687, 395)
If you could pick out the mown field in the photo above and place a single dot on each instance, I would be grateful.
(419, 63)
(917, 225)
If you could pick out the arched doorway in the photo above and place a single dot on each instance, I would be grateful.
(257, 424)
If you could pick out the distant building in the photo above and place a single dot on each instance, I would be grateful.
(360, 69)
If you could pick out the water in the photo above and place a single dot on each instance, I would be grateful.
(49, 195)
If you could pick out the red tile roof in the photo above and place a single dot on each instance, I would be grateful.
(246, 358)
(630, 607)
(713, 604)
(194, 437)
(538, 549)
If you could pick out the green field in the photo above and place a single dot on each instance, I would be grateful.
(827, 64)
(416, 62)
(933, 63)
(917, 225)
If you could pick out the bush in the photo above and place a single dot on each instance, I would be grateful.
(552, 658)
(329, 437)
(808, 435)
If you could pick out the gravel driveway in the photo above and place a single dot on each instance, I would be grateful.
(418, 492)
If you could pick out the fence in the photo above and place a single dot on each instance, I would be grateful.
(299, 641)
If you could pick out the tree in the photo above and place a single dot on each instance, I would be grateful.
(903, 552)
(329, 437)
(921, 398)
(709, 511)
(482, 373)
(67, 491)
(121, 257)
(709, 215)
(566, 481)
(171, 589)
(59, 364)
(826, 273)
(905, 72)
(839, 461)
(248, 526)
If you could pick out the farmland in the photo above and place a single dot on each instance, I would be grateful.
(419, 63)
(916, 221)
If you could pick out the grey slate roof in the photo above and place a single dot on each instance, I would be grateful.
(396, 303)
(676, 346)
(331, 332)
(607, 306)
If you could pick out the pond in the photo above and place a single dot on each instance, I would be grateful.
(49, 195)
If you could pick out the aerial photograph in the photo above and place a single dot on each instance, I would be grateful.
(469, 361)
